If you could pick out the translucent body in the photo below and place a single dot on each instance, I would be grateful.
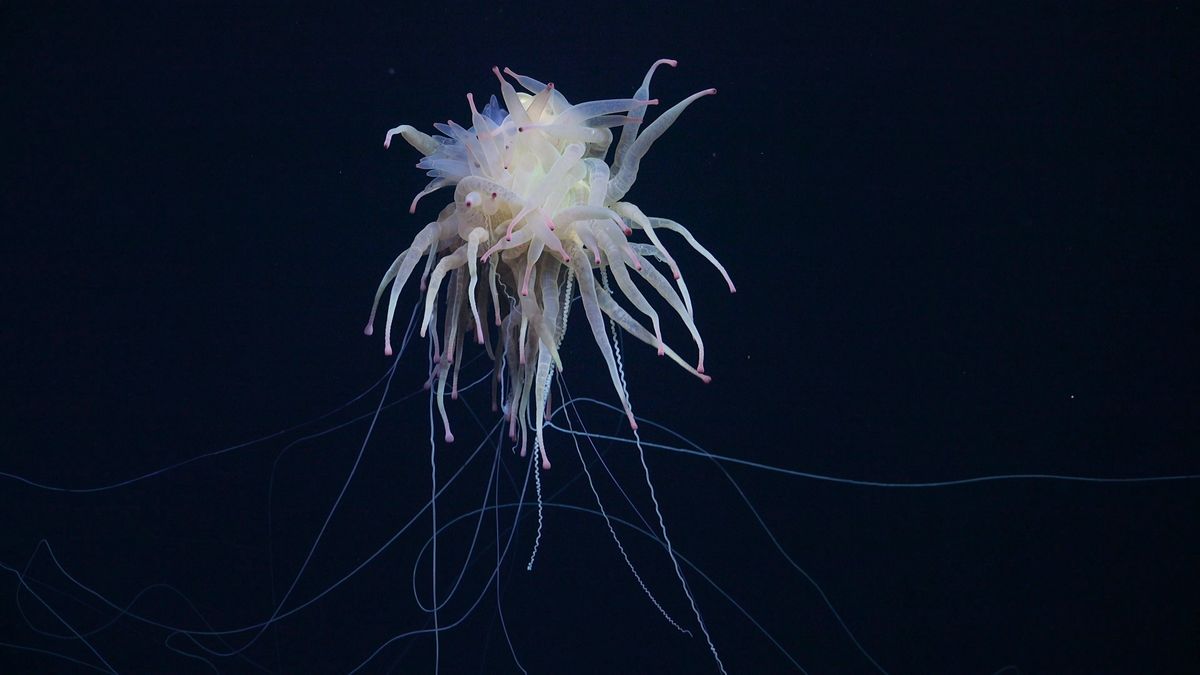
(537, 210)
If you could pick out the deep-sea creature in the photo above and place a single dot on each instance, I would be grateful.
(538, 209)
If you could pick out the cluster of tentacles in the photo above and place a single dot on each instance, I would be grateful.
(537, 211)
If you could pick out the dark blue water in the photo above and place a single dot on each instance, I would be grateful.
(964, 243)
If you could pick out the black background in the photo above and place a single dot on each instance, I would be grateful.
(965, 244)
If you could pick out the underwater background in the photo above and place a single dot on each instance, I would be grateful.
(965, 244)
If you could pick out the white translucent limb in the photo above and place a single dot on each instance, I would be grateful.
(516, 111)
(477, 236)
(442, 370)
(660, 284)
(517, 239)
(477, 159)
(585, 235)
(458, 349)
(573, 214)
(532, 255)
(551, 240)
(580, 113)
(649, 251)
(565, 132)
(484, 138)
(521, 339)
(591, 309)
(549, 292)
(492, 288)
(617, 266)
(535, 87)
(605, 122)
(534, 316)
(369, 329)
(423, 142)
(433, 186)
(430, 258)
(447, 263)
(522, 408)
(437, 345)
(400, 270)
(597, 177)
(625, 178)
(455, 290)
(629, 131)
(683, 231)
(632, 212)
(568, 294)
(543, 392)
(609, 235)
(631, 325)
(481, 293)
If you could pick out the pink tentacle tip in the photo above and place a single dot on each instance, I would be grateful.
(545, 464)
(709, 92)
(705, 378)
(449, 436)
(387, 350)
(369, 330)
